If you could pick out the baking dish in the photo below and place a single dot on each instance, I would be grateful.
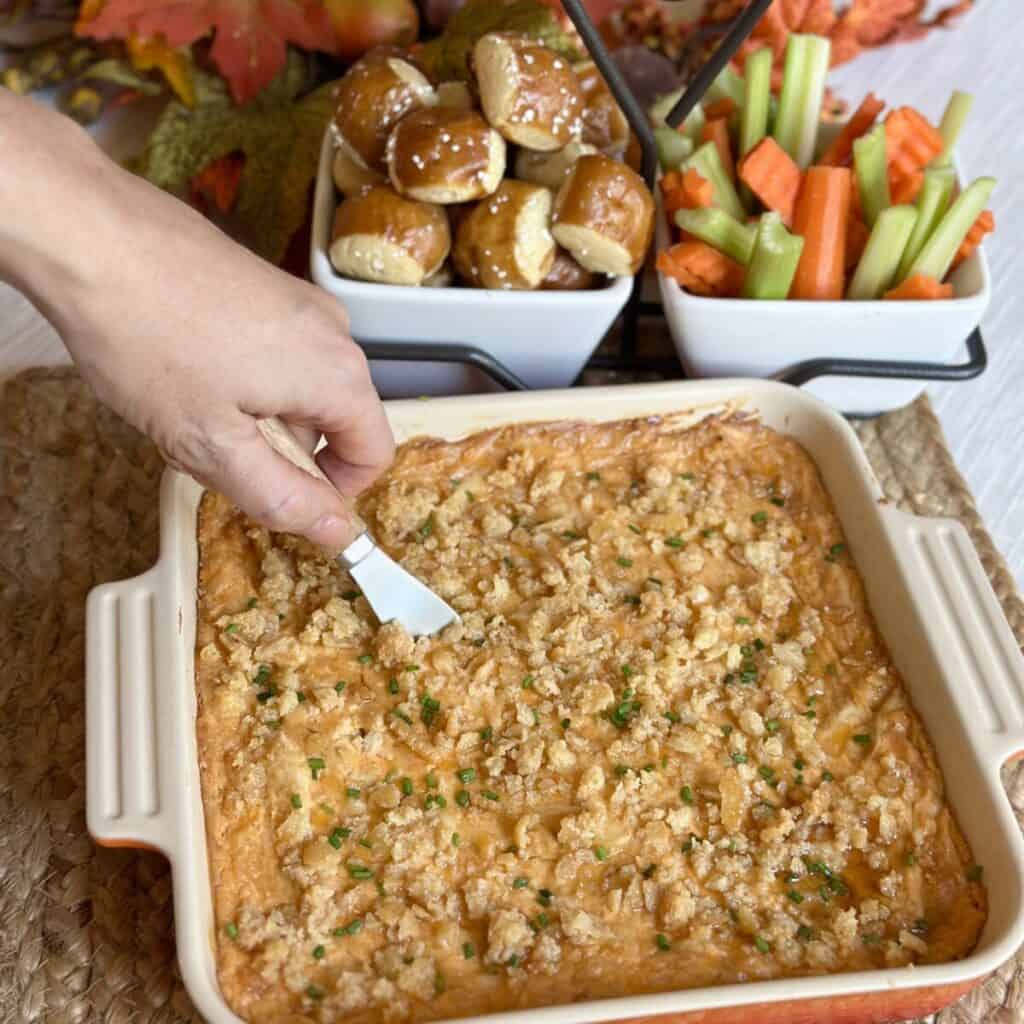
(729, 337)
(544, 337)
(926, 588)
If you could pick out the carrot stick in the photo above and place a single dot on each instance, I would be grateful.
(911, 144)
(685, 190)
(984, 225)
(840, 152)
(700, 269)
(920, 286)
(723, 108)
(905, 189)
(773, 176)
(857, 235)
(717, 131)
(822, 215)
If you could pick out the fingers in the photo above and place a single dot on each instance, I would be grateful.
(240, 464)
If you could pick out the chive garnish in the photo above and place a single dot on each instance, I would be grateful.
(635, 529)
(405, 785)
(365, 659)
(462, 798)
(520, 883)
(232, 628)
(465, 775)
(661, 941)
(761, 944)
(772, 725)
(795, 896)
(759, 517)
(314, 993)
(675, 542)
(296, 801)
(358, 871)
(827, 776)
(468, 950)
(231, 930)
(456, 839)
(349, 595)
(872, 939)
(738, 758)
(402, 716)
(339, 687)
(527, 682)
(804, 934)
(392, 685)
(626, 563)
(686, 795)
(489, 794)
(335, 838)
(352, 793)
(862, 738)
(593, 476)
(601, 852)
(486, 733)
(364, 842)
(544, 897)
(672, 716)
(262, 675)
(316, 766)
(319, 952)
(778, 502)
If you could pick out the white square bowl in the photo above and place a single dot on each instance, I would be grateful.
(544, 337)
(749, 338)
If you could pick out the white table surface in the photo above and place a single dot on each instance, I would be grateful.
(982, 418)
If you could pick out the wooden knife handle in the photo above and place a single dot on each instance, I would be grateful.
(285, 443)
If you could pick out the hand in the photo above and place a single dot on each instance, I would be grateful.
(191, 338)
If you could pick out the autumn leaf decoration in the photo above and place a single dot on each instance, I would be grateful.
(255, 162)
(250, 37)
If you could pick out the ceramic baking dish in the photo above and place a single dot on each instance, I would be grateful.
(926, 587)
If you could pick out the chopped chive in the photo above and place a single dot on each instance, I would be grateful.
(672, 716)
(778, 502)
(489, 794)
(349, 595)
(364, 842)
(761, 944)
(758, 644)
(687, 845)
(593, 476)
(827, 776)
(631, 599)
(402, 716)
(767, 773)
(626, 563)
(314, 993)
(405, 785)
(468, 950)
(300, 696)
(872, 939)
(686, 795)
(565, 723)
(661, 941)
(486, 733)
(772, 725)
(465, 775)
(635, 529)
(365, 659)
(627, 671)
(354, 927)
(430, 780)
(412, 668)
(570, 535)
(456, 839)
(601, 852)
(339, 687)
(910, 860)
(540, 922)
(862, 738)
(231, 930)
(742, 620)
(513, 961)
(759, 517)
(296, 801)
(233, 628)
(392, 685)
(352, 793)
(359, 872)
(319, 952)
(434, 800)
(544, 897)
(527, 682)
(336, 837)
(810, 714)
(804, 934)
(262, 675)
(675, 542)
(621, 769)
(462, 798)
(738, 757)
(520, 883)
(316, 766)
(426, 528)
(795, 896)
(726, 730)
(266, 695)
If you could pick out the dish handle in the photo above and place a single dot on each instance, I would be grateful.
(123, 798)
(950, 582)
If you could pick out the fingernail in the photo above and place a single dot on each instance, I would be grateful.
(330, 532)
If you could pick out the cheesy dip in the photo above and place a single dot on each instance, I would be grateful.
(665, 746)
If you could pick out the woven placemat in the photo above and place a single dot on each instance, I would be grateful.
(86, 934)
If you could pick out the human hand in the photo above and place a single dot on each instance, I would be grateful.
(192, 339)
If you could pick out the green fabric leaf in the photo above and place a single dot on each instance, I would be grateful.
(447, 57)
(119, 73)
(278, 132)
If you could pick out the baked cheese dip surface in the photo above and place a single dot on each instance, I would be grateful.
(665, 747)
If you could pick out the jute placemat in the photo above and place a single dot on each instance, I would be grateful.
(85, 933)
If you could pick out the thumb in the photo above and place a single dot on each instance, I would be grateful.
(272, 490)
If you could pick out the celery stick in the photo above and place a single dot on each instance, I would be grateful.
(728, 85)
(708, 165)
(673, 148)
(940, 249)
(718, 229)
(754, 117)
(869, 161)
(952, 124)
(876, 272)
(774, 260)
(803, 90)
(691, 127)
(932, 203)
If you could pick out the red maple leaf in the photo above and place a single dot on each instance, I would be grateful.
(250, 36)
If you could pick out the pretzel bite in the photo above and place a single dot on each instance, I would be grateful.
(455, 94)
(381, 236)
(566, 275)
(505, 242)
(442, 155)
(604, 124)
(604, 216)
(375, 94)
(550, 169)
(350, 177)
(527, 91)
